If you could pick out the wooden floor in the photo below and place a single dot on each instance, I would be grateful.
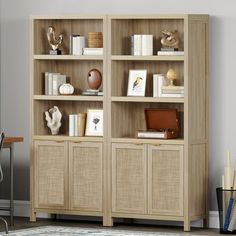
(22, 223)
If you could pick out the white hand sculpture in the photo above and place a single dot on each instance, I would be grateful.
(54, 122)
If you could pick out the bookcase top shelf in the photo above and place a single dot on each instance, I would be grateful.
(66, 57)
(68, 98)
(147, 99)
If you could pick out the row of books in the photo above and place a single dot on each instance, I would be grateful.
(161, 88)
(142, 45)
(77, 124)
(78, 47)
(52, 82)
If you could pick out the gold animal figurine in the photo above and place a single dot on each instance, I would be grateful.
(170, 39)
(54, 42)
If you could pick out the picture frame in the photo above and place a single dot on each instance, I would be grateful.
(137, 83)
(94, 122)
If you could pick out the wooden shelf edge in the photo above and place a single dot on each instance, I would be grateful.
(68, 98)
(68, 138)
(66, 57)
(146, 58)
(148, 141)
(147, 99)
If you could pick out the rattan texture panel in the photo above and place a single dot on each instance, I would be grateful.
(130, 180)
(165, 181)
(87, 178)
(51, 163)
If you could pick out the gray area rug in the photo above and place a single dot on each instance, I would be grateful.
(74, 231)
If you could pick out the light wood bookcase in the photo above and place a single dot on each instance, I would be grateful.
(118, 175)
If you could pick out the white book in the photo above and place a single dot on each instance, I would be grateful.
(172, 95)
(72, 125)
(57, 81)
(75, 125)
(74, 44)
(132, 45)
(46, 83)
(147, 45)
(170, 53)
(150, 134)
(159, 80)
(80, 44)
(137, 45)
(71, 45)
(50, 83)
(92, 51)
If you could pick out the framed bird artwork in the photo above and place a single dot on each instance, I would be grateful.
(137, 83)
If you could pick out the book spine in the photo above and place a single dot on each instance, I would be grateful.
(147, 45)
(137, 45)
(46, 86)
(50, 83)
(172, 95)
(74, 45)
(71, 45)
(61, 80)
(132, 45)
(159, 80)
(95, 52)
(75, 125)
(80, 44)
(169, 53)
(71, 125)
(55, 78)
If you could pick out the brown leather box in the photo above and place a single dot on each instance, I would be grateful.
(163, 120)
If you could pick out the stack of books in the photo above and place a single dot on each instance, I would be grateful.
(78, 47)
(142, 45)
(52, 82)
(77, 124)
(170, 52)
(93, 92)
(77, 43)
(172, 91)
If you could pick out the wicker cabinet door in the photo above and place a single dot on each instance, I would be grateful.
(50, 169)
(165, 180)
(85, 178)
(129, 178)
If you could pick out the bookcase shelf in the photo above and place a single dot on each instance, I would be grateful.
(119, 175)
(68, 138)
(68, 98)
(146, 58)
(68, 57)
(147, 99)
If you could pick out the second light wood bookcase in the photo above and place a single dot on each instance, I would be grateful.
(118, 175)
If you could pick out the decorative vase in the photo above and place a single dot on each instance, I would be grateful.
(66, 89)
(94, 79)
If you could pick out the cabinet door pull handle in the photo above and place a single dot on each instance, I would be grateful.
(60, 141)
(138, 143)
(157, 144)
(77, 141)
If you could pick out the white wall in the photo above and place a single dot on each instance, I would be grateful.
(15, 70)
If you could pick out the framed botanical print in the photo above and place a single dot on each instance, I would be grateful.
(94, 123)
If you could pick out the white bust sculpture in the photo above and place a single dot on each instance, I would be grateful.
(53, 118)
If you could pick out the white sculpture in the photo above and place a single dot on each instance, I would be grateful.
(53, 118)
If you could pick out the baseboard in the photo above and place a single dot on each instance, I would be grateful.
(22, 209)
